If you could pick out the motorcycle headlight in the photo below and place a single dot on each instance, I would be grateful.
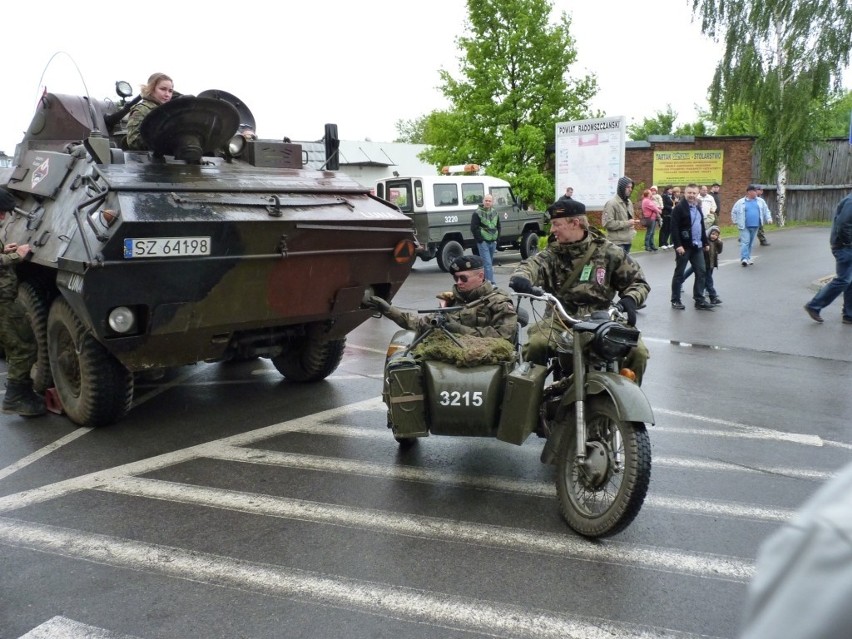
(613, 340)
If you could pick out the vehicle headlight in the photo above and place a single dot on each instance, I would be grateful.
(121, 319)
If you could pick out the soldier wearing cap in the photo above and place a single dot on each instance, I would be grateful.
(584, 270)
(16, 333)
(486, 311)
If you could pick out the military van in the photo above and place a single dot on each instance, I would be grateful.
(441, 207)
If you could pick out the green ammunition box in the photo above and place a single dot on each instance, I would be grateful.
(406, 402)
(521, 400)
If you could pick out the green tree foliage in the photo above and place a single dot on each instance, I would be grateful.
(838, 112)
(782, 59)
(512, 90)
(661, 124)
(411, 131)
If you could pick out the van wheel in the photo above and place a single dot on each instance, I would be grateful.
(450, 250)
(529, 244)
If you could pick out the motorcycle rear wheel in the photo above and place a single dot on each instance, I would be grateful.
(604, 496)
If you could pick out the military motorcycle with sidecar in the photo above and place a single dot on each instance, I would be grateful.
(589, 408)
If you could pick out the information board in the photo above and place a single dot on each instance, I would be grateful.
(680, 168)
(590, 158)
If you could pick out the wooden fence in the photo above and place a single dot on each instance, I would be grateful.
(813, 192)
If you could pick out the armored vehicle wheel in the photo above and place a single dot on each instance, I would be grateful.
(310, 359)
(449, 250)
(94, 388)
(529, 244)
(36, 303)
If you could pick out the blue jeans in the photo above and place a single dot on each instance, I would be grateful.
(842, 283)
(747, 236)
(649, 234)
(486, 252)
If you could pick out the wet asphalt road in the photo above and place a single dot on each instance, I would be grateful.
(230, 503)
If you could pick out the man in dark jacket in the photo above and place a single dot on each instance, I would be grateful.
(690, 240)
(841, 248)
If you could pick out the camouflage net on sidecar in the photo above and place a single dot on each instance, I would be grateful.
(474, 351)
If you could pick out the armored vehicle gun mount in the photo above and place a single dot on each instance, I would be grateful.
(207, 247)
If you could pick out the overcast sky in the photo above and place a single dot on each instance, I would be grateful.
(361, 64)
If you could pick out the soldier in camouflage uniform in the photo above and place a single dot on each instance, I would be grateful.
(584, 270)
(487, 311)
(158, 91)
(16, 334)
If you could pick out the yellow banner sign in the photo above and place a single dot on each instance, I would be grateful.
(679, 168)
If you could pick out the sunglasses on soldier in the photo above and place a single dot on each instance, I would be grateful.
(460, 278)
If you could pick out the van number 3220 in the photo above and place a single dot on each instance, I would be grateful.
(456, 398)
(451, 219)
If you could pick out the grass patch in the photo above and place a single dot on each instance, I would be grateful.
(727, 231)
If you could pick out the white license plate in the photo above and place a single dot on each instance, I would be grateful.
(166, 246)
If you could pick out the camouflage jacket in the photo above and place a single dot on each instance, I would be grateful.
(487, 312)
(607, 271)
(134, 139)
(8, 277)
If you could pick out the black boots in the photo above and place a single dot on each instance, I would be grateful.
(21, 399)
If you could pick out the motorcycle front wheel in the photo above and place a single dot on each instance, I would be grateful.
(603, 494)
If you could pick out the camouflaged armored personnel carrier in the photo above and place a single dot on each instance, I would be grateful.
(206, 247)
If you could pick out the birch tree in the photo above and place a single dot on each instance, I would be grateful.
(782, 60)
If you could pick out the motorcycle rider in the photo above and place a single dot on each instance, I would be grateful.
(584, 270)
(487, 311)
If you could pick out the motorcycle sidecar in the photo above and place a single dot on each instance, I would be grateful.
(423, 397)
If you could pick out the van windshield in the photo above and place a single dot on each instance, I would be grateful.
(399, 193)
(502, 196)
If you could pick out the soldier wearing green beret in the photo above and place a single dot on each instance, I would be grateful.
(584, 270)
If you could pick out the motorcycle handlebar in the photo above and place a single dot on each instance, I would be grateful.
(541, 295)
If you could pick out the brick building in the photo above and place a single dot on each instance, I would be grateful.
(736, 164)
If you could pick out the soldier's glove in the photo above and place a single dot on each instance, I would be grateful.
(380, 304)
(520, 284)
(628, 305)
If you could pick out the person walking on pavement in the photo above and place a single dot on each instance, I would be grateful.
(485, 228)
(690, 239)
(16, 333)
(841, 247)
(617, 216)
(747, 214)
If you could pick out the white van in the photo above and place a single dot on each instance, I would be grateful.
(441, 207)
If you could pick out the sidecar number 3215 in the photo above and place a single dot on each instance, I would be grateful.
(457, 398)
